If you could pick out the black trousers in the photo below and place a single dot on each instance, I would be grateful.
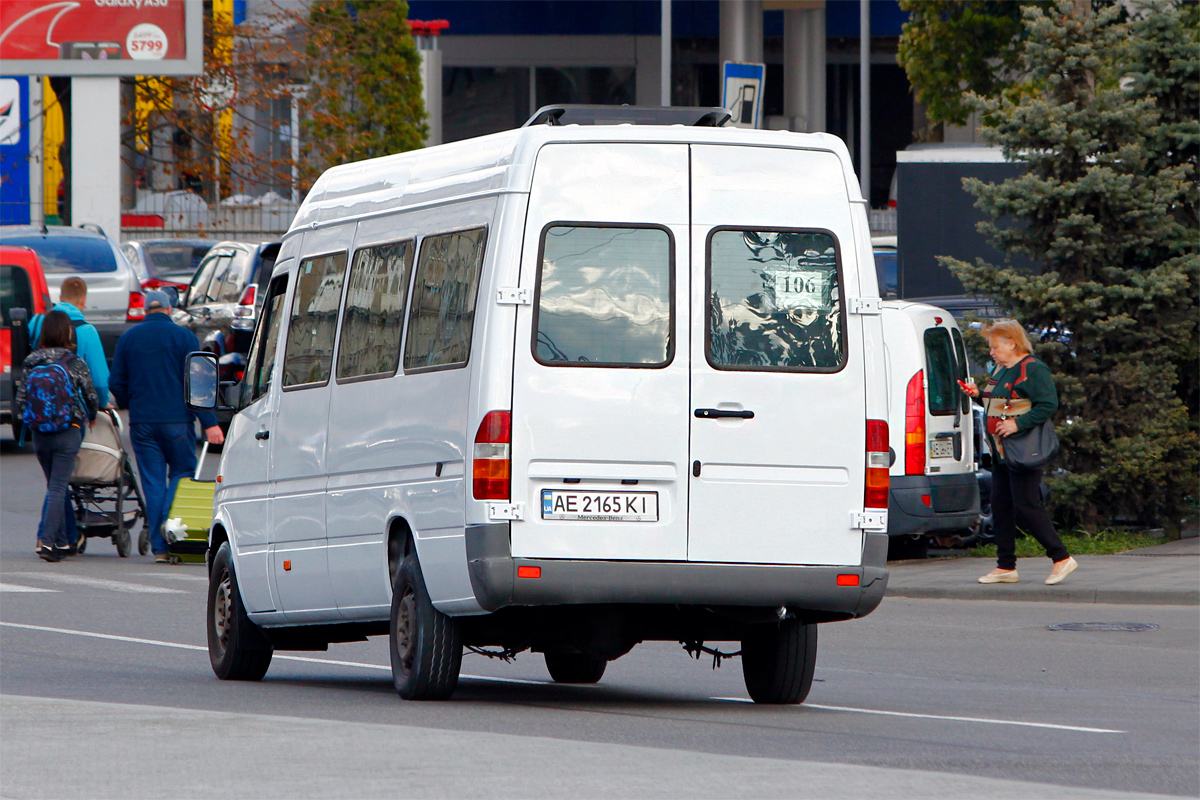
(1017, 500)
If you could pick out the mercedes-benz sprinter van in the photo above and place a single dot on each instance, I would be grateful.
(565, 389)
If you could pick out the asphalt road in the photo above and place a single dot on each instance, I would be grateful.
(106, 691)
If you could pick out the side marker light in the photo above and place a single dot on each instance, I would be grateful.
(847, 580)
(529, 572)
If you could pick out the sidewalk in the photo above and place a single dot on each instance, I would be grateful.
(1165, 574)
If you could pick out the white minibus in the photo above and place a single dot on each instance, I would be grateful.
(565, 389)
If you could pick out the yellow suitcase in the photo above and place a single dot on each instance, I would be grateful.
(191, 516)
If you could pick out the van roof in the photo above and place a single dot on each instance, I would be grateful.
(503, 163)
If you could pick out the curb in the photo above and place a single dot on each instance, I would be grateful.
(1048, 594)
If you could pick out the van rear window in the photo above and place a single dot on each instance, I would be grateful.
(775, 301)
(15, 292)
(941, 369)
(604, 297)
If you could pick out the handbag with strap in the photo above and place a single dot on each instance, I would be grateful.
(1031, 449)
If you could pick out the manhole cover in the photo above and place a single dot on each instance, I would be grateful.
(1102, 626)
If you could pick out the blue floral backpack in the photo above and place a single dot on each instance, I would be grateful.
(49, 395)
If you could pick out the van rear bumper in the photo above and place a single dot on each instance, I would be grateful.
(811, 592)
(954, 499)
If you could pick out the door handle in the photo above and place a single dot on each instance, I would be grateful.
(262, 435)
(720, 413)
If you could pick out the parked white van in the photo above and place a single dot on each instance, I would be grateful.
(934, 489)
(565, 388)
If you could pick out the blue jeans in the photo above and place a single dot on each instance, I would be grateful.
(56, 453)
(166, 453)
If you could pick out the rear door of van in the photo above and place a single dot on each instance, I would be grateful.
(778, 410)
(600, 390)
(948, 419)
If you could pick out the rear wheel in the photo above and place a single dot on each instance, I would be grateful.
(143, 542)
(778, 661)
(237, 648)
(426, 645)
(574, 667)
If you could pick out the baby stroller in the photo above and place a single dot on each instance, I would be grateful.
(108, 502)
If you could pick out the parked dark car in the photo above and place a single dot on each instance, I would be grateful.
(114, 298)
(222, 301)
(166, 262)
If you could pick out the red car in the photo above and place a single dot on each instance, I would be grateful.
(22, 286)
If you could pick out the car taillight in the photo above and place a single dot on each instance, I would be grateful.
(878, 458)
(137, 307)
(491, 464)
(914, 425)
(248, 296)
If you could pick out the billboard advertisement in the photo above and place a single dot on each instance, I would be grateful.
(14, 151)
(101, 37)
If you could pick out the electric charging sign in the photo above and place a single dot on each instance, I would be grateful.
(742, 91)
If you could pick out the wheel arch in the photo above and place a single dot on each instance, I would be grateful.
(401, 541)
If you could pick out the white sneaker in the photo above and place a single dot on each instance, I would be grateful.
(1000, 576)
(1061, 570)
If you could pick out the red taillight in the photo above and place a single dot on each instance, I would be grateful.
(248, 296)
(914, 425)
(878, 456)
(491, 464)
(137, 307)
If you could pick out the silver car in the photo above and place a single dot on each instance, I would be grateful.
(114, 298)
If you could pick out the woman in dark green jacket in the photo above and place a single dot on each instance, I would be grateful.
(1019, 396)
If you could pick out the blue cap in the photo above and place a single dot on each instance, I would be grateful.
(157, 299)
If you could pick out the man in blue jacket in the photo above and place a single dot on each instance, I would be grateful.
(147, 378)
(72, 297)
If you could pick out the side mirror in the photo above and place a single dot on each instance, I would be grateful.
(201, 382)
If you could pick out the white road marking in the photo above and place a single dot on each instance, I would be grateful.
(12, 587)
(177, 576)
(178, 646)
(983, 720)
(100, 583)
(362, 665)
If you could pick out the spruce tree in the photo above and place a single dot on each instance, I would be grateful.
(364, 98)
(1112, 307)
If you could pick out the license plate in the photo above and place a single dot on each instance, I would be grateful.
(600, 506)
(941, 448)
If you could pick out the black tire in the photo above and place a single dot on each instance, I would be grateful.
(237, 648)
(81, 544)
(426, 645)
(575, 667)
(143, 541)
(778, 661)
(121, 540)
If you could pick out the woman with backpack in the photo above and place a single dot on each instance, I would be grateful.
(57, 399)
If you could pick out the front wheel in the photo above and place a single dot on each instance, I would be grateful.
(121, 540)
(575, 667)
(426, 645)
(237, 648)
(778, 661)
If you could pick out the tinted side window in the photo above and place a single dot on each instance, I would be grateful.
(212, 292)
(443, 301)
(374, 318)
(15, 292)
(198, 288)
(262, 352)
(940, 371)
(775, 301)
(234, 282)
(604, 297)
(309, 352)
